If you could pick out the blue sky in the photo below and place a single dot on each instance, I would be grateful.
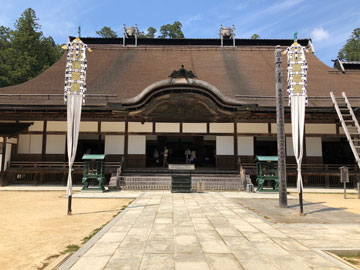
(328, 22)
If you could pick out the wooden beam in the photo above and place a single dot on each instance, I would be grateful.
(126, 142)
(99, 136)
(280, 121)
(2, 171)
(44, 137)
(235, 147)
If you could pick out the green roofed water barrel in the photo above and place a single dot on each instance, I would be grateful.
(94, 168)
(267, 170)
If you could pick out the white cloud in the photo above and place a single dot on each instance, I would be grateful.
(319, 34)
(281, 6)
(190, 20)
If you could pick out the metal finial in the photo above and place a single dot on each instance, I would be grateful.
(79, 31)
(295, 36)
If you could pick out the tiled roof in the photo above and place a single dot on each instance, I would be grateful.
(245, 70)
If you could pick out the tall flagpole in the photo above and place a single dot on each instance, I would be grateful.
(280, 129)
(75, 89)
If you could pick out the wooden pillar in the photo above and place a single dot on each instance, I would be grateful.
(99, 137)
(126, 142)
(280, 121)
(236, 163)
(327, 177)
(2, 172)
(43, 149)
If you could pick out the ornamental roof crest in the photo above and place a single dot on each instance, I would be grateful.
(182, 73)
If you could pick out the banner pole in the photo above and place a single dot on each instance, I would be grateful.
(69, 205)
(301, 203)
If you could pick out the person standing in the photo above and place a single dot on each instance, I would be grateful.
(187, 155)
(166, 153)
(156, 157)
(193, 157)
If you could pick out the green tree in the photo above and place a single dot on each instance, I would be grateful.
(351, 50)
(171, 30)
(107, 32)
(255, 36)
(151, 32)
(5, 54)
(24, 51)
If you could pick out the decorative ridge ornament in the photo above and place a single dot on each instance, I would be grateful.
(182, 73)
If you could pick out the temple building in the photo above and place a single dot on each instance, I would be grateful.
(217, 101)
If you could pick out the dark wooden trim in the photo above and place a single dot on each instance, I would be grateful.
(225, 161)
(99, 134)
(181, 128)
(269, 128)
(153, 128)
(3, 154)
(44, 139)
(304, 160)
(183, 134)
(235, 146)
(2, 171)
(207, 128)
(136, 161)
(126, 142)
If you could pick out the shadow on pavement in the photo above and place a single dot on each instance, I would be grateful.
(315, 213)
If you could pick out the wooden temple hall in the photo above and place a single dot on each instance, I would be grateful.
(189, 94)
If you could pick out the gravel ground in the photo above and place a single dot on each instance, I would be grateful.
(34, 225)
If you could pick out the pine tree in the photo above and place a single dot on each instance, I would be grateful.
(107, 32)
(24, 51)
(171, 30)
(351, 50)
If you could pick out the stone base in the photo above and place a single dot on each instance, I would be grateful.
(94, 190)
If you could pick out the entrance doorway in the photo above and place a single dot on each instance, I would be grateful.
(337, 151)
(202, 150)
(265, 146)
(89, 144)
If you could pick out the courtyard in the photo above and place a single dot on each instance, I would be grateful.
(35, 227)
(160, 230)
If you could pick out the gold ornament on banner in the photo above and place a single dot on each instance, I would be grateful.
(76, 66)
(296, 70)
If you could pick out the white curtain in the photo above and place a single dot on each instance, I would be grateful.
(74, 104)
(297, 125)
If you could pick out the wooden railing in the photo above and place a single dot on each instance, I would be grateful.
(27, 172)
(49, 165)
(309, 169)
(40, 172)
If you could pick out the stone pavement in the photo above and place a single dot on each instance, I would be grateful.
(160, 230)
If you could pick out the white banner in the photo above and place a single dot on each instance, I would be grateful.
(297, 125)
(297, 83)
(74, 104)
(75, 89)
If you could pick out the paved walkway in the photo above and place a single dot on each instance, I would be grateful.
(161, 230)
